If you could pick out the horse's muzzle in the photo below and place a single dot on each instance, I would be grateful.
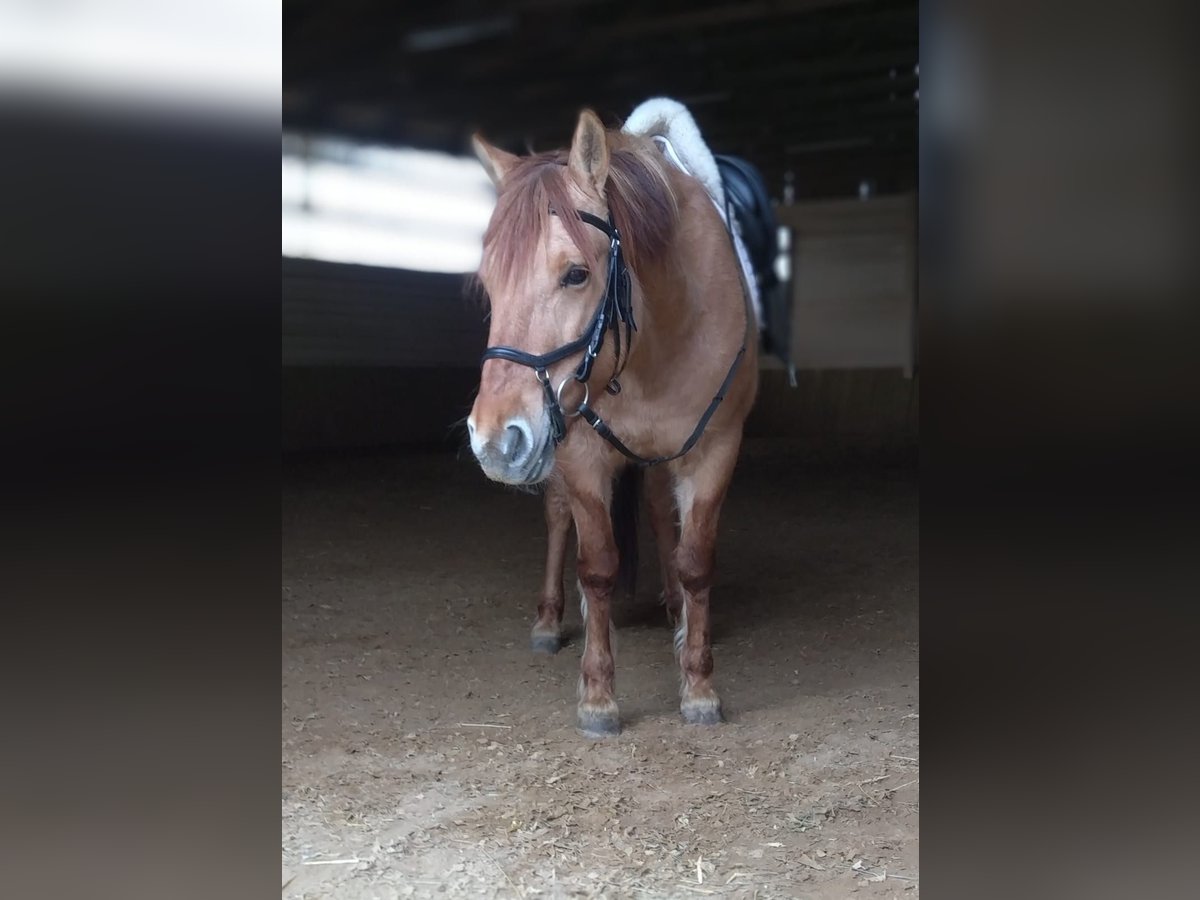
(520, 452)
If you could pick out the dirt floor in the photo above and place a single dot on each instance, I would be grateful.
(427, 752)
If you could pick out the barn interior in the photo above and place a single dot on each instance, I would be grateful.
(426, 750)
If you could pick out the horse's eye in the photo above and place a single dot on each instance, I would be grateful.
(575, 276)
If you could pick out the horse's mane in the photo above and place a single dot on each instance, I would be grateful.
(639, 194)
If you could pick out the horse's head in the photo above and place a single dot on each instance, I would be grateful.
(544, 273)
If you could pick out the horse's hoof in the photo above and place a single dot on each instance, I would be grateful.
(598, 723)
(705, 711)
(546, 643)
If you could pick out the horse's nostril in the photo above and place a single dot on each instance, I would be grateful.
(516, 443)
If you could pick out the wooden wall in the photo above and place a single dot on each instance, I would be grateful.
(347, 315)
(854, 283)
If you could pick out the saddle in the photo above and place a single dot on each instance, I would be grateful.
(750, 204)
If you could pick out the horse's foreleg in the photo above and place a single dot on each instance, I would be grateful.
(700, 492)
(661, 503)
(597, 714)
(547, 629)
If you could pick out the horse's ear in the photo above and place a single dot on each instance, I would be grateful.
(496, 162)
(589, 152)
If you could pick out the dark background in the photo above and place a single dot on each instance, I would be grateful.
(824, 87)
(821, 96)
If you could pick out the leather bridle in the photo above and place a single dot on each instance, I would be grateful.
(614, 311)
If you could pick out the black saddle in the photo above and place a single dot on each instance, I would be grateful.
(747, 197)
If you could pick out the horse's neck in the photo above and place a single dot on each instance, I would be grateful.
(681, 319)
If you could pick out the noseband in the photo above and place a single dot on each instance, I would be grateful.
(614, 310)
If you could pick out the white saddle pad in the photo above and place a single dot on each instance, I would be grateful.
(672, 127)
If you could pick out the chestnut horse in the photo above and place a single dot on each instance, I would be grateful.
(608, 242)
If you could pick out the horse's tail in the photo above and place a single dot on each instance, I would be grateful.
(626, 497)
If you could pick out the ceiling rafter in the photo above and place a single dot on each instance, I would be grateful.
(761, 76)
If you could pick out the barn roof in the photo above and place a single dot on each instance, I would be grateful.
(825, 89)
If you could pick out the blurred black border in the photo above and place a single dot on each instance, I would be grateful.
(1060, 427)
(141, 517)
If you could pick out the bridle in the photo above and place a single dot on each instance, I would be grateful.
(614, 310)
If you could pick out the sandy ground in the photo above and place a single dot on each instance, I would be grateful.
(427, 752)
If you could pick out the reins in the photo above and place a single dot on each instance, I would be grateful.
(614, 310)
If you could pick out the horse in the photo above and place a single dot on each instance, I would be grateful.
(606, 241)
